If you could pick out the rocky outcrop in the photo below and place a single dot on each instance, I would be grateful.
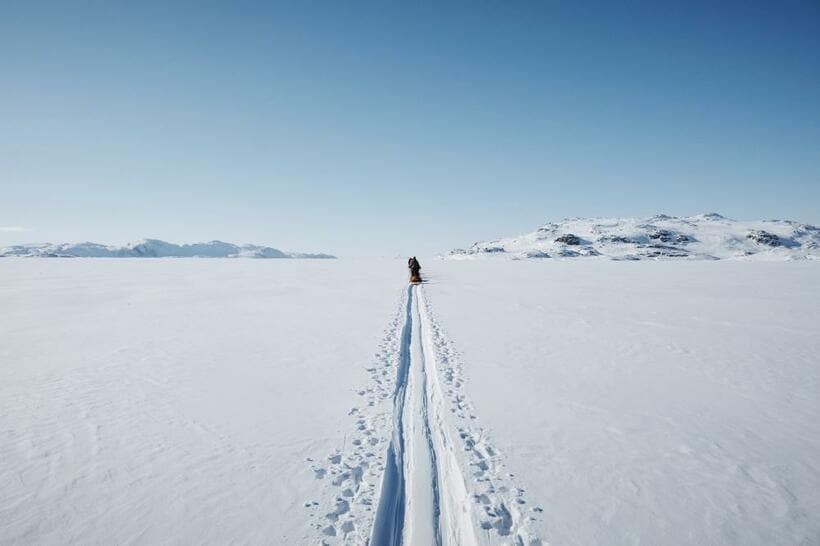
(569, 239)
(764, 238)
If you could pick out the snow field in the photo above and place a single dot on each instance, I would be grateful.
(323, 402)
(647, 402)
(176, 401)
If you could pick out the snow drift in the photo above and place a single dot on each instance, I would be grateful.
(705, 236)
(153, 248)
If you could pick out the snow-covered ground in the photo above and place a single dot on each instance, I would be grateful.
(648, 402)
(175, 401)
(260, 402)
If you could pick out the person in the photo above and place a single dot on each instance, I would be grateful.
(415, 267)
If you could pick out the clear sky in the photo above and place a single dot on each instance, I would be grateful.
(382, 128)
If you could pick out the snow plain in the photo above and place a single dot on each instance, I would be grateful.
(174, 401)
(183, 401)
(648, 402)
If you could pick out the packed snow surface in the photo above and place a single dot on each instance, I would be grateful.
(648, 402)
(151, 248)
(705, 236)
(502, 402)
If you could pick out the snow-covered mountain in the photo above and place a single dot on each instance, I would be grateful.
(704, 236)
(152, 248)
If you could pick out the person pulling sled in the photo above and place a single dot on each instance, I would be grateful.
(415, 268)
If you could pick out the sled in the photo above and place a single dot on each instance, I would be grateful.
(415, 279)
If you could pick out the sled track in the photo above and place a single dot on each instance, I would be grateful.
(424, 498)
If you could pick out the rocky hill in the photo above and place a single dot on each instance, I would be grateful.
(704, 236)
(153, 248)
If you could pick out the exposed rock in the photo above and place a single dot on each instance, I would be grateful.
(764, 238)
(569, 239)
(614, 239)
(657, 250)
(658, 253)
(489, 247)
(658, 246)
(481, 249)
(662, 235)
(535, 254)
(666, 236)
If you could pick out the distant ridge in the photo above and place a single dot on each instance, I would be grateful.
(153, 248)
(704, 236)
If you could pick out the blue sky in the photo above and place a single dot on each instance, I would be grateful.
(373, 128)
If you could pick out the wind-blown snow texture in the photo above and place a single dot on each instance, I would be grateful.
(648, 402)
(705, 236)
(151, 248)
(563, 402)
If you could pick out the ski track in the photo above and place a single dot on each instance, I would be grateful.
(388, 527)
(418, 469)
(350, 474)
